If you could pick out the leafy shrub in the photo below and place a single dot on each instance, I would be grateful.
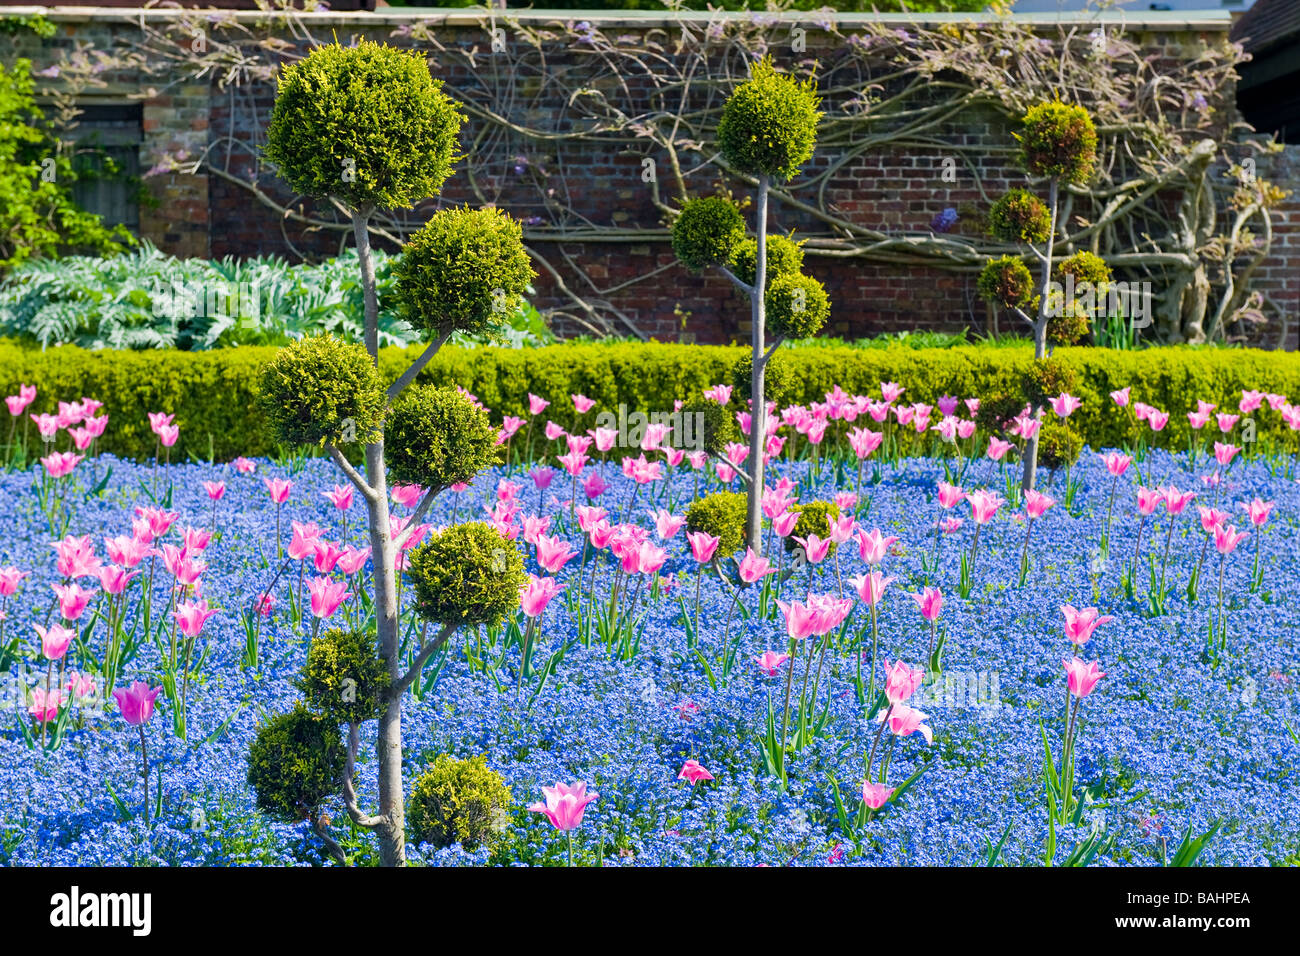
(344, 677)
(797, 307)
(997, 411)
(716, 428)
(814, 518)
(436, 437)
(784, 257)
(1006, 282)
(295, 763)
(721, 514)
(465, 270)
(366, 124)
(707, 231)
(465, 575)
(769, 124)
(1020, 216)
(1057, 139)
(1059, 445)
(458, 801)
(780, 384)
(321, 391)
(1046, 378)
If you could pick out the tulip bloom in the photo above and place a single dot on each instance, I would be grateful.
(564, 807)
(55, 641)
(73, 599)
(553, 553)
(754, 568)
(136, 703)
(901, 682)
(1081, 676)
(874, 546)
(694, 772)
(1079, 625)
(930, 603)
(326, 596)
(769, 661)
(876, 795)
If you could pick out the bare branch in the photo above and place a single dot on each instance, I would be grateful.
(402, 683)
(349, 792)
(354, 476)
(418, 365)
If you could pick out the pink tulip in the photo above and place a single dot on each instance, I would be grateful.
(874, 546)
(703, 546)
(984, 505)
(863, 441)
(73, 599)
(1116, 463)
(565, 805)
(1157, 420)
(815, 549)
(1176, 501)
(1079, 625)
(769, 661)
(127, 551)
(80, 685)
(1120, 397)
(876, 795)
(582, 404)
(784, 524)
(325, 556)
(950, 495)
(1082, 677)
(1224, 453)
(114, 579)
(537, 593)
(904, 721)
(667, 525)
(871, 587)
(326, 595)
(998, 447)
(408, 496)
(1258, 511)
(891, 391)
(245, 466)
(1065, 404)
(55, 641)
(278, 488)
(1037, 503)
(60, 464)
(190, 618)
(10, 578)
(1212, 518)
(1198, 420)
(694, 772)
(340, 497)
(1227, 538)
(536, 404)
(553, 553)
(215, 489)
(136, 702)
(753, 568)
(353, 560)
(1148, 500)
(305, 537)
(45, 707)
(930, 602)
(594, 486)
(800, 619)
(168, 435)
(1226, 422)
(950, 525)
(901, 681)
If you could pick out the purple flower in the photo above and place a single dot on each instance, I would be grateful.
(944, 220)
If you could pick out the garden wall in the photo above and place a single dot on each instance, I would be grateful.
(897, 190)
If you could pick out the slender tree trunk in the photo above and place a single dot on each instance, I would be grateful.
(1040, 332)
(361, 232)
(757, 400)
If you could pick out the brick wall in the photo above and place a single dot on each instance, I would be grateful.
(894, 190)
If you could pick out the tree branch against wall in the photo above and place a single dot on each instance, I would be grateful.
(1175, 201)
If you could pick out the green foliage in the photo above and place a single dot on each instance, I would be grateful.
(769, 124)
(465, 270)
(716, 427)
(458, 801)
(214, 394)
(997, 411)
(780, 384)
(814, 518)
(465, 575)
(797, 307)
(365, 124)
(707, 232)
(721, 514)
(1048, 377)
(1020, 216)
(1006, 282)
(1058, 140)
(437, 437)
(295, 763)
(1085, 267)
(784, 257)
(144, 299)
(1068, 328)
(37, 214)
(322, 390)
(1059, 445)
(344, 677)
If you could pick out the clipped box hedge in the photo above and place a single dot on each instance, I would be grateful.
(212, 393)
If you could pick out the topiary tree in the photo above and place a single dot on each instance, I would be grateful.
(722, 515)
(467, 575)
(369, 128)
(767, 131)
(459, 801)
(1058, 143)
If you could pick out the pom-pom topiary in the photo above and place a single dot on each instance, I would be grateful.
(784, 257)
(997, 411)
(797, 307)
(769, 124)
(466, 575)
(814, 518)
(1069, 327)
(459, 801)
(1006, 282)
(715, 427)
(1058, 140)
(321, 390)
(1020, 216)
(366, 124)
(1046, 378)
(296, 762)
(707, 231)
(436, 437)
(779, 382)
(1059, 445)
(721, 514)
(465, 270)
(1085, 267)
(344, 677)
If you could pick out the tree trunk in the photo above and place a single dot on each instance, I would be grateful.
(361, 232)
(1040, 333)
(757, 401)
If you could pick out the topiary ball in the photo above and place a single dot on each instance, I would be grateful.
(769, 124)
(996, 412)
(1020, 216)
(1085, 267)
(296, 763)
(713, 428)
(1058, 140)
(465, 270)
(366, 124)
(784, 257)
(721, 514)
(1070, 327)
(1006, 282)
(321, 391)
(436, 437)
(814, 518)
(1047, 378)
(780, 383)
(466, 575)
(707, 231)
(797, 307)
(1059, 445)
(344, 677)
(459, 801)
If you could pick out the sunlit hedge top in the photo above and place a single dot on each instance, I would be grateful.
(769, 125)
(366, 124)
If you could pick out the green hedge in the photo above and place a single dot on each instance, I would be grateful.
(213, 393)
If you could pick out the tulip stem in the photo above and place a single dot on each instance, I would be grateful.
(871, 758)
(785, 717)
(144, 757)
